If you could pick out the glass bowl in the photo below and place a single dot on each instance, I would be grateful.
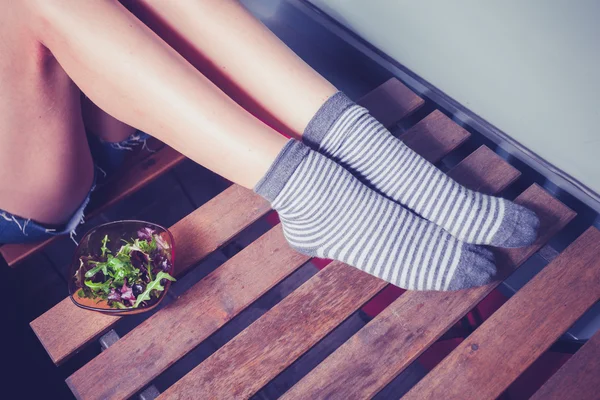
(118, 232)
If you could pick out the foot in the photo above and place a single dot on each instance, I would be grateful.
(326, 212)
(348, 134)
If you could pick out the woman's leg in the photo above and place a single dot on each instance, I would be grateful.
(248, 54)
(132, 74)
(239, 54)
(46, 170)
(243, 57)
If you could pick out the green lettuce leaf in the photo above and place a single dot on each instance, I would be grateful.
(96, 269)
(103, 286)
(104, 249)
(120, 305)
(154, 285)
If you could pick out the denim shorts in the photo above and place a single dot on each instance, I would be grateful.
(107, 158)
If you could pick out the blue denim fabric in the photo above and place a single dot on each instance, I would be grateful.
(15, 229)
(107, 158)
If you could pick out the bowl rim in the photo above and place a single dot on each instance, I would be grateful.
(118, 311)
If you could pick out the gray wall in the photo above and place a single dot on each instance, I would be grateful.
(529, 67)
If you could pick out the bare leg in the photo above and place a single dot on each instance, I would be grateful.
(136, 77)
(239, 54)
(103, 125)
(230, 46)
(45, 165)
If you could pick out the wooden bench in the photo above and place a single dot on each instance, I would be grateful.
(378, 352)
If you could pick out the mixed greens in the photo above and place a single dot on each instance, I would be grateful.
(132, 277)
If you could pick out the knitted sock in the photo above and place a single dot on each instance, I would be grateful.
(349, 135)
(326, 212)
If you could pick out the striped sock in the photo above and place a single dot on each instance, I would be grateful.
(348, 134)
(326, 212)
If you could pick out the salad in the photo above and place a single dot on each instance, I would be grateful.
(134, 276)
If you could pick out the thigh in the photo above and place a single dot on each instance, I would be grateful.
(244, 58)
(45, 164)
(190, 47)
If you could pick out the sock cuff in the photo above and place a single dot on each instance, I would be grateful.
(279, 173)
(322, 121)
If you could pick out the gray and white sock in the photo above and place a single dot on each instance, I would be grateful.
(349, 135)
(326, 212)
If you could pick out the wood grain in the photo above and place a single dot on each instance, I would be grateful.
(578, 379)
(247, 362)
(491, 175)
(391, 101)
(491, 358)
(253, 362)
(66, 328)
(397, 336)
(133, 179)
(171, 333)
(435, 133)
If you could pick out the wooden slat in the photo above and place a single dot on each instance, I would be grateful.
(66, 328)
(247, 362)
(144, 353)
(134, 178)
(442, 133)
(434, 137)
(280, 336)
(391, 101)
(522, 329)
(399, 334)
(485, 172)
(578, 379)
